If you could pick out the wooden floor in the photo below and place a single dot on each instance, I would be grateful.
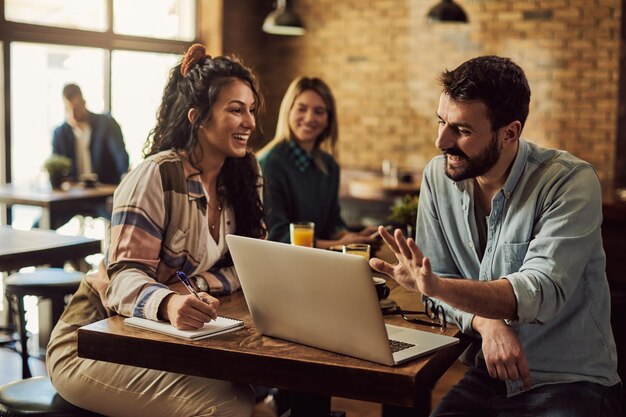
(11, 370)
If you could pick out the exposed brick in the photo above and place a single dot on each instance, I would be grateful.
(382, 58)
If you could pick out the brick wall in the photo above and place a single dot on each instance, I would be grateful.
(381, 58)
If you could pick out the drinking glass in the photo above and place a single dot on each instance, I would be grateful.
(360, 249)
(302, 233)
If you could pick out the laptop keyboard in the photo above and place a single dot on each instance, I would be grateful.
(397, 345)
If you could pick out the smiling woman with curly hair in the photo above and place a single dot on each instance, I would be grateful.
(198, 183)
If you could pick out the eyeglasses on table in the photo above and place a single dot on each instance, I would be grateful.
(434, 314)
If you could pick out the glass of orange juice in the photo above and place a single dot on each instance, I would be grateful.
(360, 249)
(302, 233)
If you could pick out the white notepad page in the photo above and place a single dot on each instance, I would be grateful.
(214, 327)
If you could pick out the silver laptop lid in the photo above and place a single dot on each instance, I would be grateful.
(311, 296)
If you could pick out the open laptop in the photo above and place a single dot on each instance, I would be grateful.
(323, 299)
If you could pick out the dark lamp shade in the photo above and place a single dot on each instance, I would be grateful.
(283, 22)
(447, 11)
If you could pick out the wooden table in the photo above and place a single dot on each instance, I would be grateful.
(76, 199)
(21, 248)
(245, 356)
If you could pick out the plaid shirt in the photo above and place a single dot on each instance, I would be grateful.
(299, 156)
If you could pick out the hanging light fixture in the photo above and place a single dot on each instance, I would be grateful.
(282, 21)
(447, 11)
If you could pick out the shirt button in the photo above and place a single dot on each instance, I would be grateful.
(463, 207)
(471, 244)
(489, 250)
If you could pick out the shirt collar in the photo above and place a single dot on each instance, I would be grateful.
(299, 156)
(192, 175)
(517, 169)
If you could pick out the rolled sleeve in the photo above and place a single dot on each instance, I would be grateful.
(527, 292)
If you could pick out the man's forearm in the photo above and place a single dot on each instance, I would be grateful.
(492, 299)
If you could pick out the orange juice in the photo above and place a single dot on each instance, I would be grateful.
(362, 253)
(302, 237)
(359, 249)
(302, 233)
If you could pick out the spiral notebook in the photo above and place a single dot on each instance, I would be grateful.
(220, 325)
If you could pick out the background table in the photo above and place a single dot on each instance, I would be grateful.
(77, 199)
(20, 248)
(245, 356)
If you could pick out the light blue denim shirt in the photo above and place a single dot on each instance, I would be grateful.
(543, 235)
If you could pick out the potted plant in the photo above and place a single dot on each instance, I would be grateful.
(58, 168)
(404, 213)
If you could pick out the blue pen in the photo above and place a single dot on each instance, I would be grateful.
(185, 280)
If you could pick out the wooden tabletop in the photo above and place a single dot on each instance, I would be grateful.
(245, 356)
(45, 196)
(20, 248)
(58, 205)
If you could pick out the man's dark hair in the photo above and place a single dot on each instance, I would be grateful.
(498, 82)
(71, 90)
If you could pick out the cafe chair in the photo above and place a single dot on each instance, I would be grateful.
(50, 283)
(36, 397)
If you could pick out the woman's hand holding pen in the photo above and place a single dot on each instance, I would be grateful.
(189, 311)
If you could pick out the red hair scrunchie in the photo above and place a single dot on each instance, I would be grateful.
(194, 54)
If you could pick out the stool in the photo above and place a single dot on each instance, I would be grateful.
(36, 397)
(52, 283)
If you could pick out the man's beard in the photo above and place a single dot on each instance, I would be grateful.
(474, 167)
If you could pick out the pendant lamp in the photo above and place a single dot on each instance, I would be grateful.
(282, 21)
(447, 11)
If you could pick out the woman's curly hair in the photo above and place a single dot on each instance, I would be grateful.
(196, 83)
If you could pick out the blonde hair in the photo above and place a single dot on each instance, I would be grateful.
(327, 141)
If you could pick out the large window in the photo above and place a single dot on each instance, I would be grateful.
(164, 19)
(137, 87)
(121, 63)
(77, 14)
(171, 19)
(38, 73)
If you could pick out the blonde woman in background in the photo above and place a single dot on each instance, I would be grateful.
(300, 172)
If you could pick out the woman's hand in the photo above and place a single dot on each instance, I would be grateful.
(347, 238)
(369, 231)
(186, 312)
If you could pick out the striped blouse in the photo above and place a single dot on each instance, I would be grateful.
(159, 225)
